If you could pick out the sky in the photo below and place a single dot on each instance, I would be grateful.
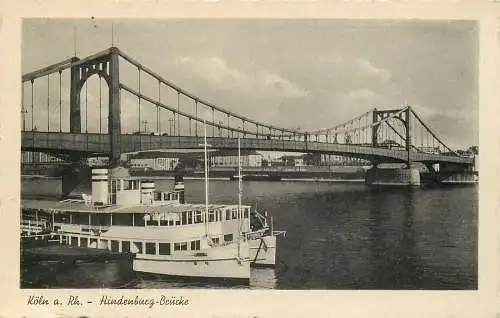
(305, 74)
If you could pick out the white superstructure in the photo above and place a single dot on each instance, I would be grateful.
(167, 236)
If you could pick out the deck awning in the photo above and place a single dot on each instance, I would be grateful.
(79, 206)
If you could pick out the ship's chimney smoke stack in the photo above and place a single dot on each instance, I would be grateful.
(100, 179)
(147, 191)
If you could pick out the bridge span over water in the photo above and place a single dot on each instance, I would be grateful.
(96, 144)
(380, 136)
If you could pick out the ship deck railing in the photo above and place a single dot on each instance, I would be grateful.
(52, 237)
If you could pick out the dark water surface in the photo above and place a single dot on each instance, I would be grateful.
(339, 236)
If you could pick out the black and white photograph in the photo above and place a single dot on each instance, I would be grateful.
(282, 154)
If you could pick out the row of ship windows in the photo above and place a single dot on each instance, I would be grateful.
(165, 196)
(138, 219)
(150, 248)
(195, 217)
(115, 185)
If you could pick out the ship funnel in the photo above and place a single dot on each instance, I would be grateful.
(179, 187)
(100, 179)
(147, 191)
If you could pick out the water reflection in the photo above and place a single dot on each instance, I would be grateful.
(263, 278)
(113, 274)
(394, 260)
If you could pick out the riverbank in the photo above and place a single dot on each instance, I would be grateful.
(266, 174)
(283, 179)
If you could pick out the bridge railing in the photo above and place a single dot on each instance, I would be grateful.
(97, 143)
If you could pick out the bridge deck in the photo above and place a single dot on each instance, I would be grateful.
(100, 144)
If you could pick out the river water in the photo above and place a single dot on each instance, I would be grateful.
(339, 236)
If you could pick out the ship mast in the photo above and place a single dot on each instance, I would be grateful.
(239, 185)
(206, 179)
(239, 197)
(74, 40)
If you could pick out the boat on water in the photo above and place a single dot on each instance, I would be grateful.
(165, 234)
(257, 177)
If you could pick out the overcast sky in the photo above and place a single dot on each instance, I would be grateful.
(290, 73)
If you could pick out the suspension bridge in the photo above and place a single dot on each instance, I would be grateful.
(181, 118)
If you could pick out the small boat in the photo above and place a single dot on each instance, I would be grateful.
(262, 237)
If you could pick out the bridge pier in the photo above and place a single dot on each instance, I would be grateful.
(421, 175)
(407, 176)
(450, 174)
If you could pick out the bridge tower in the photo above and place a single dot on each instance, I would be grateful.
(403, 176)
(374, 127)
(404, 117)
(105, 66)
(407, 122)
(75, 117)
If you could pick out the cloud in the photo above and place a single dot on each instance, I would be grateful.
(355, 72)
(429, 113)
(367, 68)
(215, 71)
(358, 101)
(358, 95)
(280, 85)
(221, 76)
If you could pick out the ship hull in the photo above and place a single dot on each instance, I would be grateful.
(263, 251)
(215, 262)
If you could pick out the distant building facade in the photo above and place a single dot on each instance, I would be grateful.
(38, 157)
(336, 160)
(292, 161)
(160, 164)
(98, 161)
(141, 163)
(165, 164)
(314, 159)
(230, 159)
(431, 150)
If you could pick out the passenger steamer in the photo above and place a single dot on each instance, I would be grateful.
(166, 235)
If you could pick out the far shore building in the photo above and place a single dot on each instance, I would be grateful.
(292, 161)
(97, 161)
(154, 160)
(229, 158)
(29, 157)
(336, 160)
(314, 159)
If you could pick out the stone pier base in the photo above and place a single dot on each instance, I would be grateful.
(393, 177)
